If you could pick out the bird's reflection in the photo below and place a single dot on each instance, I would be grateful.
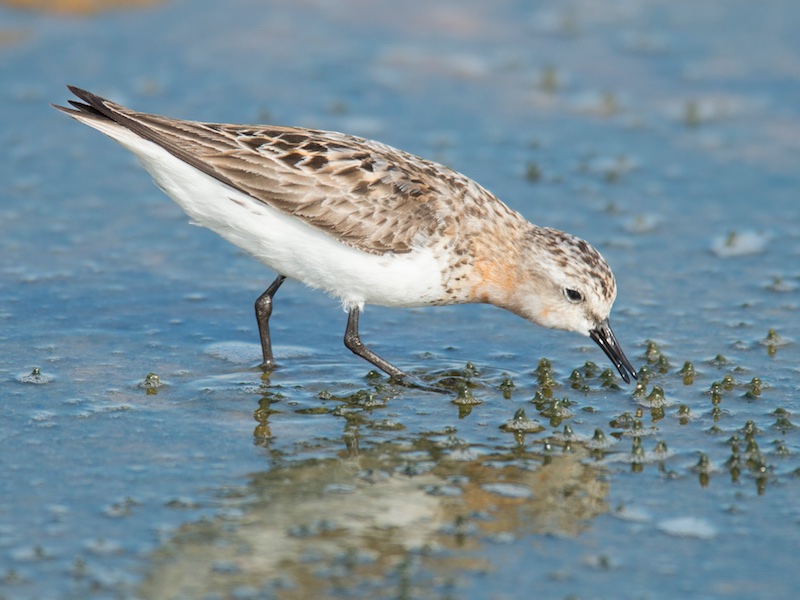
(373, 520)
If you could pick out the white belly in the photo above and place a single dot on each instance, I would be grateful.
(287, 244)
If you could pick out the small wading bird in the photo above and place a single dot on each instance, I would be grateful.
(367, 223)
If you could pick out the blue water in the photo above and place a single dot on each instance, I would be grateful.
(664, 134)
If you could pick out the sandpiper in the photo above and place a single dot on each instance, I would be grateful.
(365, 222)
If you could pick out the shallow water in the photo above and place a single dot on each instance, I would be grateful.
(666, 134)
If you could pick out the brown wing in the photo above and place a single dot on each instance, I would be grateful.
(369, 195)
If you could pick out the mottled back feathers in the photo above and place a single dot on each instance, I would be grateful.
(366, 194)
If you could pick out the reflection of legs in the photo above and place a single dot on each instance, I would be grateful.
(263, 311)
(354, 343)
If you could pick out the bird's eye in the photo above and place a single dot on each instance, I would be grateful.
(573, 295)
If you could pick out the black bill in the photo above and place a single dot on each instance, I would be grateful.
(604, 337)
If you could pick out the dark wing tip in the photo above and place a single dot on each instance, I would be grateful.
(62, 108)
(92, 104)
(87, 97)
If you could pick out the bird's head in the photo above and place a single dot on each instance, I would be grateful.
(566, 284)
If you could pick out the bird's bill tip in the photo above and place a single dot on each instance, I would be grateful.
(605, 338)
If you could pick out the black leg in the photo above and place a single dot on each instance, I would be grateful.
(263, 311)
(354, 343)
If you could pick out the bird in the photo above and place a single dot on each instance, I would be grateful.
(365, 222)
